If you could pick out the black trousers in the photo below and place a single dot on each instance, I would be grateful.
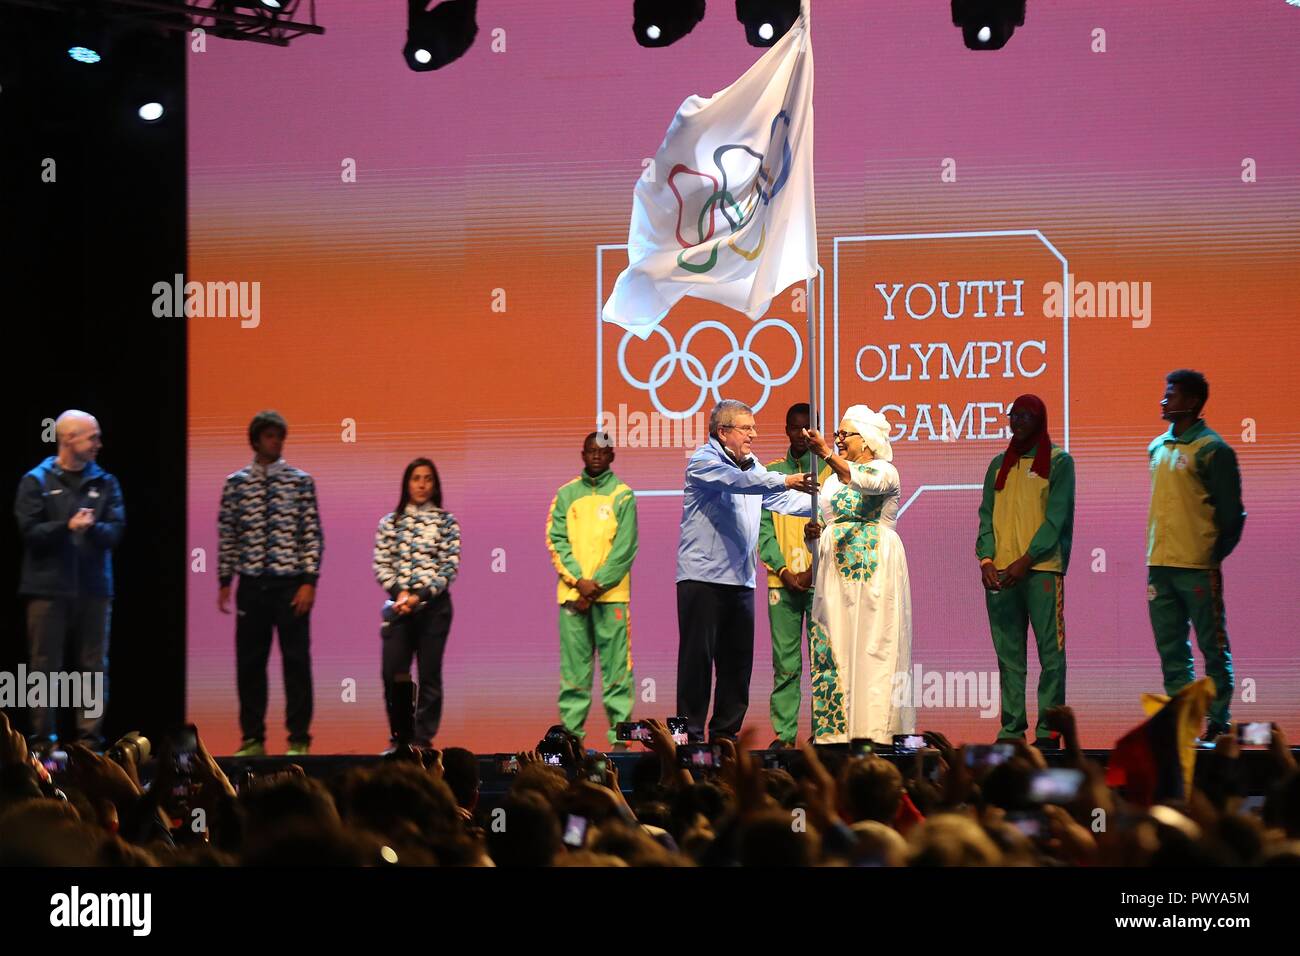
(422, 635)
(262, 604)
(715, 625)
(62, 630)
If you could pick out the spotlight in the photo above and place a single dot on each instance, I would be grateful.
(664, 22)
(987, 24)
(766, 21)
(147, 90)
(439, 36)
(88, 38)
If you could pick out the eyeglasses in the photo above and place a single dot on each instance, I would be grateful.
(841, 435)
(747, 429)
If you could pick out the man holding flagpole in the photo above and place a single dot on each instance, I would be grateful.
(726, 491)
(727, 214)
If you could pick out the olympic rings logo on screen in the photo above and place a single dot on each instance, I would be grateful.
(710, 384)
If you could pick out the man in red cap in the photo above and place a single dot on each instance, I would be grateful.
(1026, 522)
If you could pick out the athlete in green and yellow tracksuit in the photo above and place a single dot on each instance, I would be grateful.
(789, 586)
(591, 534)
(1025, 530)
(1194, 522)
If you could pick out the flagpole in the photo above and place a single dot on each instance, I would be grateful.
(812, 406)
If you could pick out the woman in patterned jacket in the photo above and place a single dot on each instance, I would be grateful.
(861, 630)
(417, 554)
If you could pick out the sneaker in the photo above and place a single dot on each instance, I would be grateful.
(298, 748)
(1048, 743)
(1213, 731)
(251, 748)
(779, 744)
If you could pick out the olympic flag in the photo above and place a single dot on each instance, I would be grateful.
(726, 211)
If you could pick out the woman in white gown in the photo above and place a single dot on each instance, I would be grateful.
(862, 609)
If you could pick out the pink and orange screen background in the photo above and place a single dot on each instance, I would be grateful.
(497, 179)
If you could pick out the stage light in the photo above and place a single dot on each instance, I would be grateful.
(439, 36)
(664, 22)
(987, 24)
(88, 36)
(766, 21)
(273, 22)
(147, 90)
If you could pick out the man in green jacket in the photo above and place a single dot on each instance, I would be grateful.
(1195, 520)
(1026, 523)
(591, 535)
(789, 585)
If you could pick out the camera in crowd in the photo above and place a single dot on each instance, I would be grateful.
(639, 730)
(133, 746)
(560, 748)
(706, 758)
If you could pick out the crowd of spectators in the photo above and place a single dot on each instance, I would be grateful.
(820, 807)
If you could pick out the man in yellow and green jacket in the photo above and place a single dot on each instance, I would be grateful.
(789, 585)
(1025, 530)
(591, 535)
(1194, 522)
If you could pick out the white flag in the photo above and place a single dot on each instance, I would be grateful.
(726, 212)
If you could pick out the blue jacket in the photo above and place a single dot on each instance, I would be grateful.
(721, 508)
(58, 562)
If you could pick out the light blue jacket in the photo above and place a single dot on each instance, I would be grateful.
(721, 508)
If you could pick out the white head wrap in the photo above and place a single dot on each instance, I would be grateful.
(874, 429)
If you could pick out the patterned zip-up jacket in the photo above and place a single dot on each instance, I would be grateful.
(418, 551)
(269, 524)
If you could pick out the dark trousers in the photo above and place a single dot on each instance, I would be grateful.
(262, 604)
(715, 625)
(75, 631)
(422, 635)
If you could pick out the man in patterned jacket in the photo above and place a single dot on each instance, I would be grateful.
(271, 537)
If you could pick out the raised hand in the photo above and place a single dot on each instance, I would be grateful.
(818, 443)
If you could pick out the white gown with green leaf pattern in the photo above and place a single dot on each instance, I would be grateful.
(862, 610)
